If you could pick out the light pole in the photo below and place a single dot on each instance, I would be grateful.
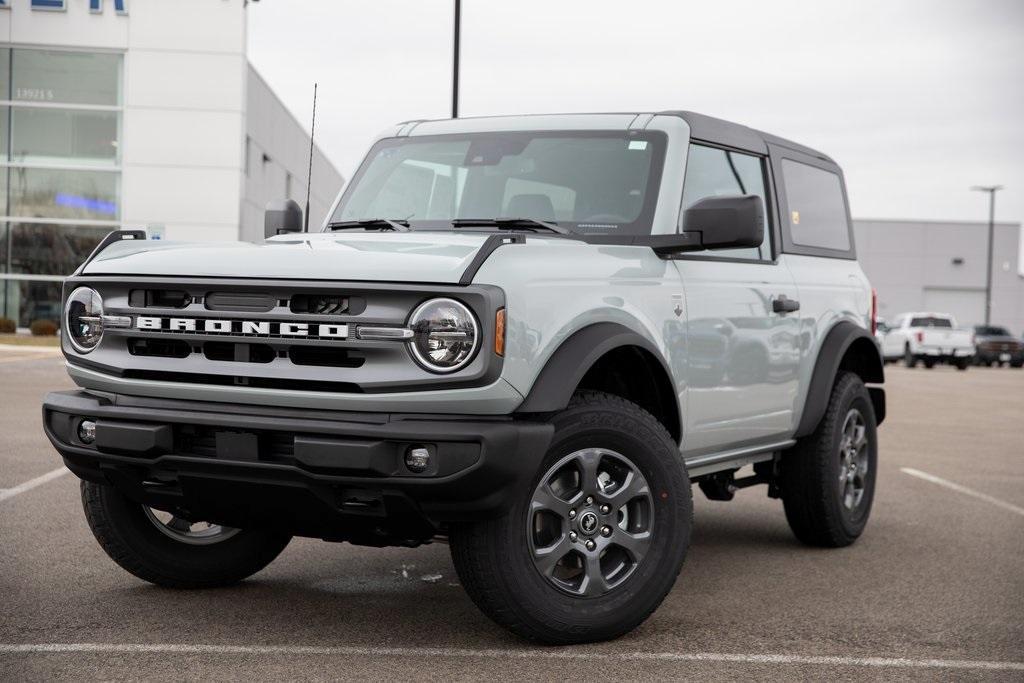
(455, 60)
(991, 189)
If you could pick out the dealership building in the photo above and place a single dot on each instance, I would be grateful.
(940, 266)
(134, 113)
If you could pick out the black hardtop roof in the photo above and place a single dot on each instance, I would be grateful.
(730, 134)
(702, 127)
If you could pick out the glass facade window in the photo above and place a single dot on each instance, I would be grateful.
(63, 136)
(66, 77)
(41, 249)
(60, 132)
(58, 193)
(5, 73)
(28, 300)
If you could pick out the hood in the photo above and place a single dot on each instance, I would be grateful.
(438, 257)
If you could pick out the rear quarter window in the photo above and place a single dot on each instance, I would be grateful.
(816, 207)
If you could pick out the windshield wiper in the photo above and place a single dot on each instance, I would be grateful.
(371, 224)
(510, 224)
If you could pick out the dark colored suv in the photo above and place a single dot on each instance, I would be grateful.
(996, 346)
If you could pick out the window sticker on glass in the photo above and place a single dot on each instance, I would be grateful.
(638, 144)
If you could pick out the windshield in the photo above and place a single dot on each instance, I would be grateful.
(931, 322)
(603, 182)
(984, 331)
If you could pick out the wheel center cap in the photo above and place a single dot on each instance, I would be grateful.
(588, 522)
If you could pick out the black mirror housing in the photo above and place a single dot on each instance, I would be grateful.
(282, 217)
(727, 222)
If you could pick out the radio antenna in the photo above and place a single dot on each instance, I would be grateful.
(309, 173)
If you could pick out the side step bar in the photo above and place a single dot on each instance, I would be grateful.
(699, 465)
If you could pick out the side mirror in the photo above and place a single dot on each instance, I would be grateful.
(727, 222)
(282, 217)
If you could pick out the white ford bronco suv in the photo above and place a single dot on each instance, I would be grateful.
(524, 336)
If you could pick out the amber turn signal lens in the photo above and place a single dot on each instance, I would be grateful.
(499, 332)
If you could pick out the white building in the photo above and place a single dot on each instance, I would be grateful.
(941, 266)
(134, 113)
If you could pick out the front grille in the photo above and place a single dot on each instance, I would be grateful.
(239, 352)
(245, 302)
(327, 304)
(276, 334)
(159, 348)
(324, 357)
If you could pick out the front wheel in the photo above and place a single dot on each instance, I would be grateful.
(591, 549)
(828, 478)
(171, 551)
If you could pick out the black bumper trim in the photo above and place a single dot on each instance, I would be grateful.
(325, 475)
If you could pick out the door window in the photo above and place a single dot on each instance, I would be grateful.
(713, 172)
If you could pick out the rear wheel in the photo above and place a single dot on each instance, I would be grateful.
(828, 478)
(595, 544)
(963, 363)
(929, 363)
(170, 551)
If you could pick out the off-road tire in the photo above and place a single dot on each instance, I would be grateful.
(493, 560)
(810, 472)
(128, 536)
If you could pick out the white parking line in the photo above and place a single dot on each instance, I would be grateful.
(32, 483)
(963, 489)
(176, 648)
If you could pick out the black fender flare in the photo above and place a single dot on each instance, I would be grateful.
(567, 366)
(837, 342)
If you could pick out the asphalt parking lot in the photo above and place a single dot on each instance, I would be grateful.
(934, 589)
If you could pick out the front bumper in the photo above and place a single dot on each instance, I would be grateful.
(340, 476)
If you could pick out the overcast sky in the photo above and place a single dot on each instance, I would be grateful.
(917, 100)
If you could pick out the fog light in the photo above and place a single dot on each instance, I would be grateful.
(417, 459)
(87, 431)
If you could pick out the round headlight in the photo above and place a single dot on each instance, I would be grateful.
(83, 319)
(445, 335)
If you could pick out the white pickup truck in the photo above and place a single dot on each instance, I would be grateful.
(929, 338)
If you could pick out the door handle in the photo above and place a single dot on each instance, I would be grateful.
(782, 304)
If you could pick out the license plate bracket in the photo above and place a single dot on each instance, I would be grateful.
(243, 446)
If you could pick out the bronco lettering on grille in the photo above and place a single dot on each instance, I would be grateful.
(255, 328)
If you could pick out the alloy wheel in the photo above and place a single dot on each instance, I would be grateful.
(853, 460)
(590, 522)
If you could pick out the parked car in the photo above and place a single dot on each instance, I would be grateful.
(928, 338)
(996, 346)
(509, 334)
